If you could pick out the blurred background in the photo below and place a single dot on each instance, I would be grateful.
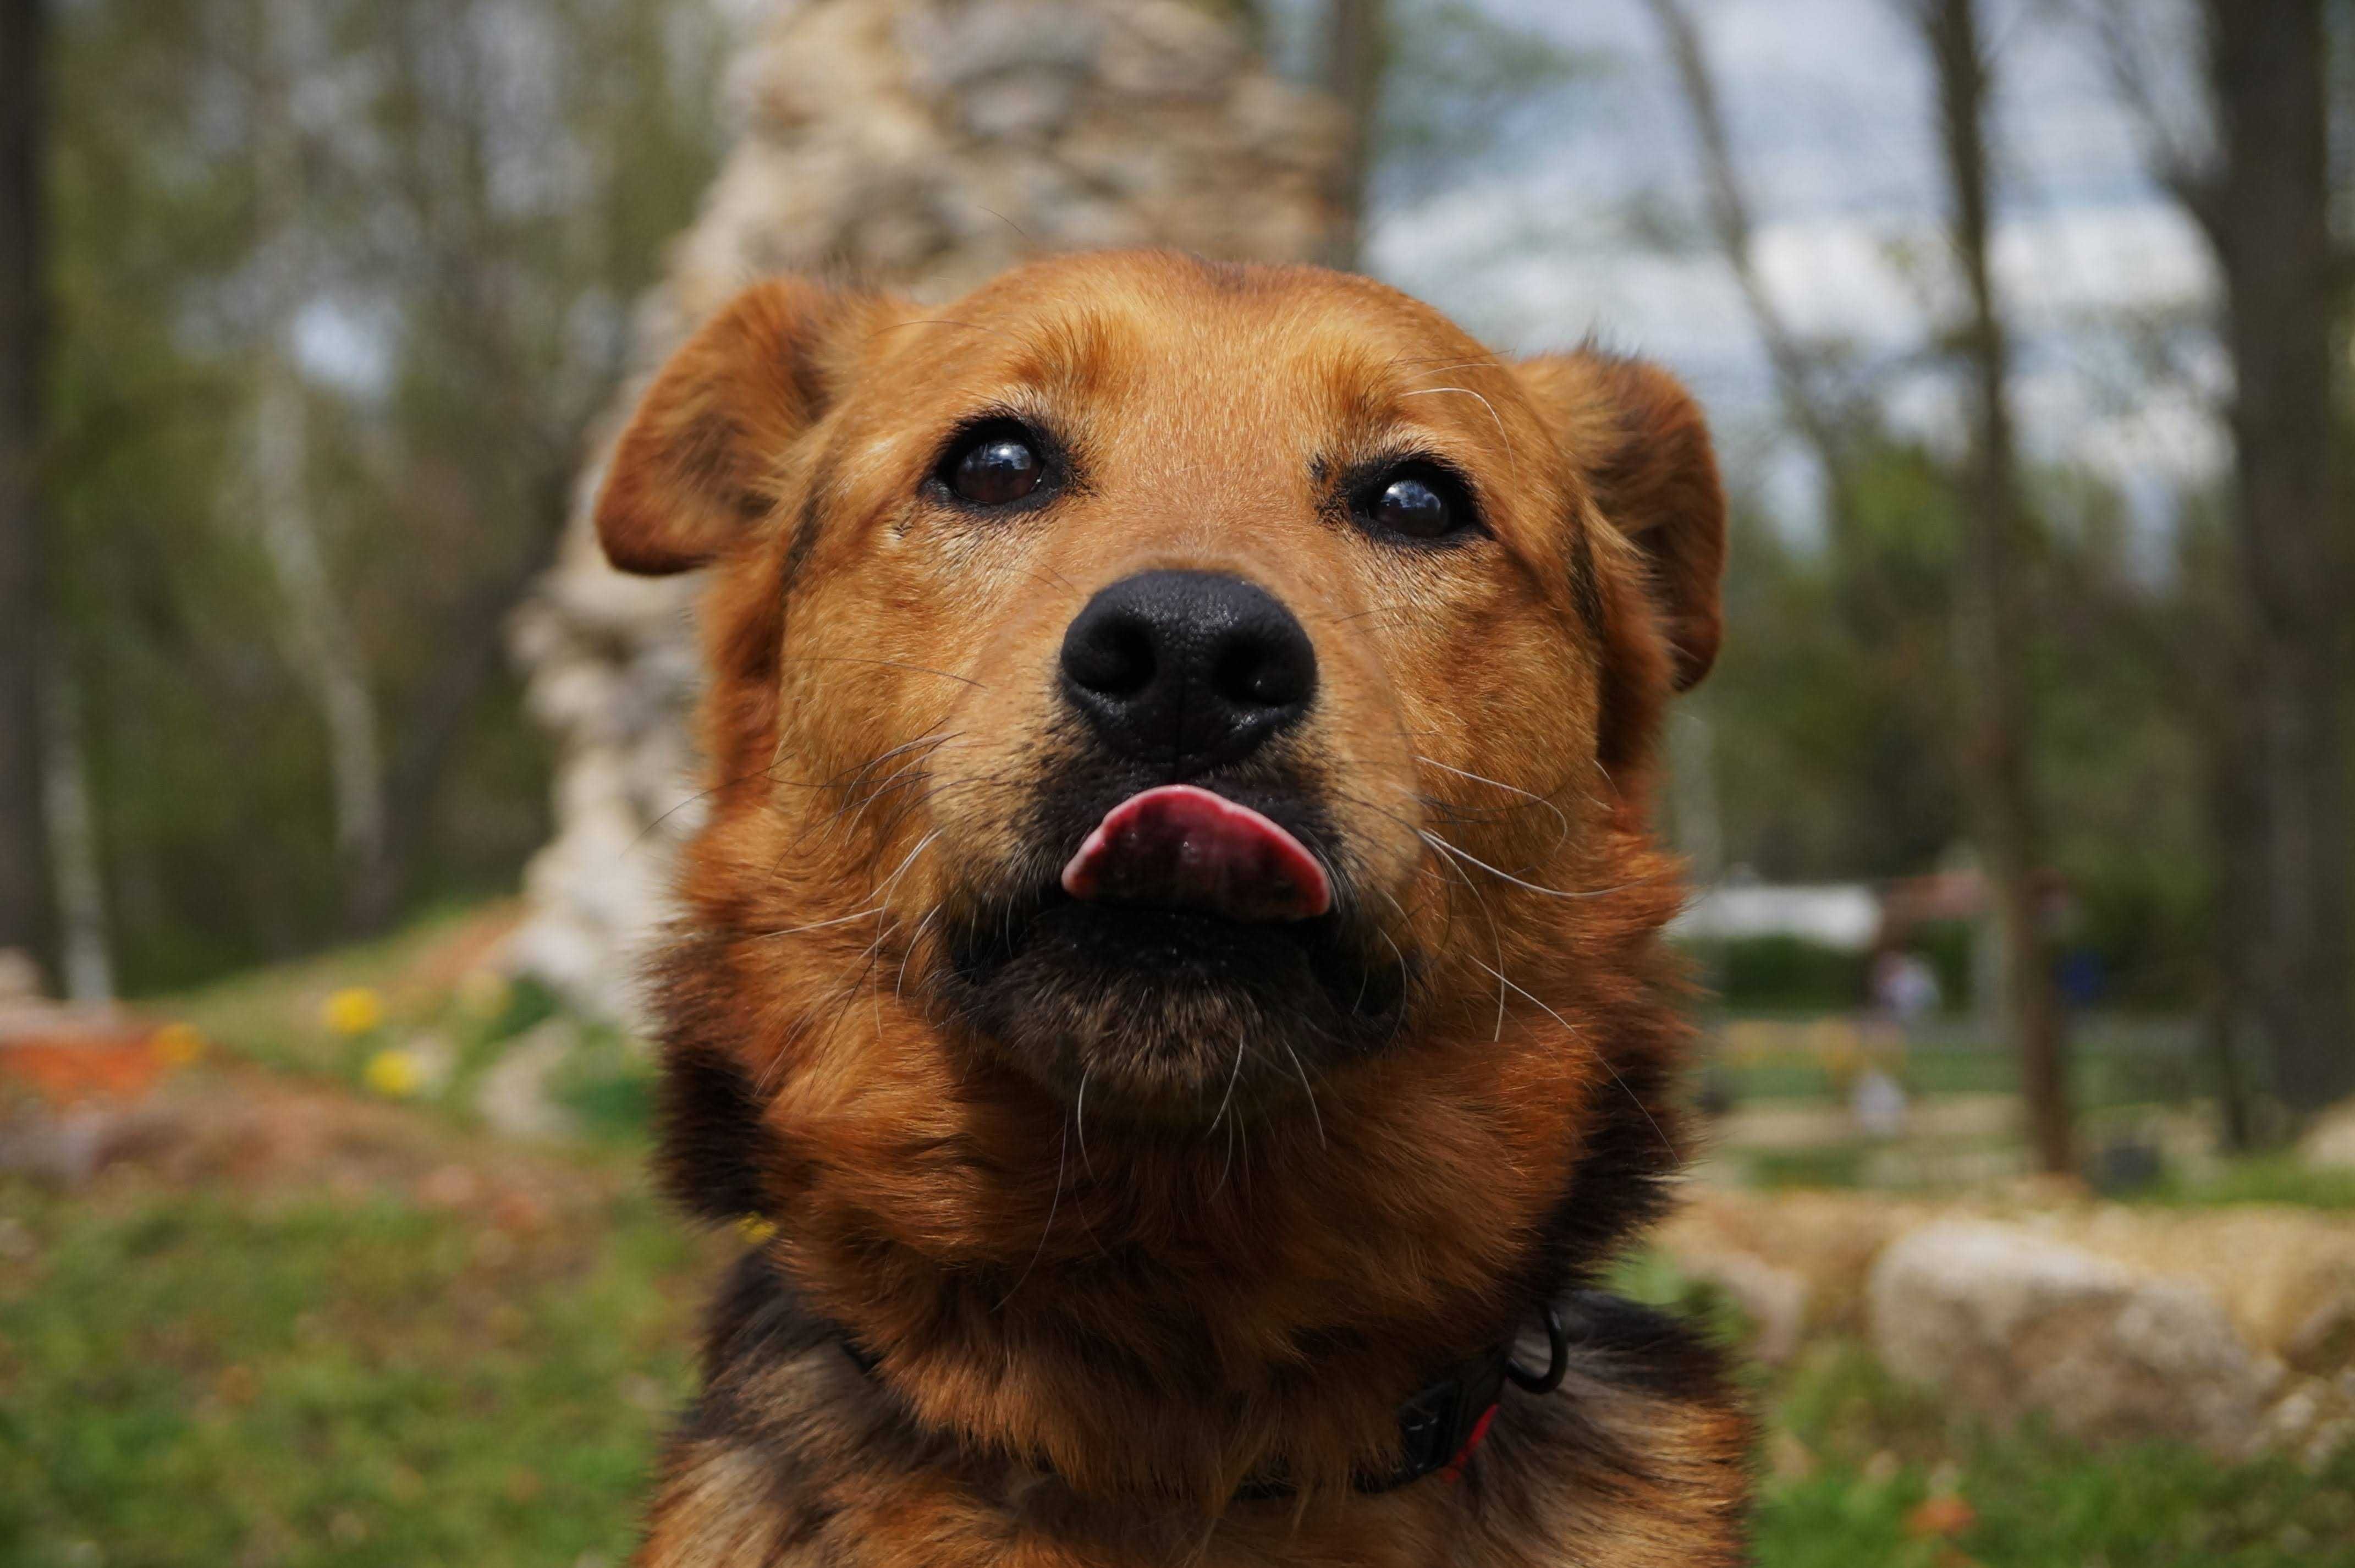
(339, 778)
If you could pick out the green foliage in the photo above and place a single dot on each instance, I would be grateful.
(609, 1084)
(1831, 713)
(1829, 705)
(486, 187)
(1777, 973)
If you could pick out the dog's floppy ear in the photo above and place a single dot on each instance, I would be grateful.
(697, 468)
(1641, 445)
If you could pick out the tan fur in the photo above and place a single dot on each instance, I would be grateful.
(1100, 1306)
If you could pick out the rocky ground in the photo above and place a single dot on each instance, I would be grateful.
(2230, 1327)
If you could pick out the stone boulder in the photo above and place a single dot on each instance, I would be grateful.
(915, 145)
(2329, 1143)
(2011, 1323)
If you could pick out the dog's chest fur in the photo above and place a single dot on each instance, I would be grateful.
(794, 1458)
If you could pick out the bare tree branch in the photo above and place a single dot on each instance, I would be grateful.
(1818, 416)
(2187, 169)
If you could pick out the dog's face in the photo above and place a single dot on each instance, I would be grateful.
(1180, 681)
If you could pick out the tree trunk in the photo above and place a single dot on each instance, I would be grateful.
(24, 920)
(316, 632)
(1355, 51)
(2270, 230)
(2229, 738)
(85, 952)
(432, 723)
(1991, 620)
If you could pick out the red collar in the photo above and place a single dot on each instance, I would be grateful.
(1442, 1427)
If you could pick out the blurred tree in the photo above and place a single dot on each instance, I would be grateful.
(1842, 675)
(2249, 158)
(24, 907)
(1833, 422)
(1835, 723)
(273, 491)
(1833, 667)
(2267, 212)
(339, 285)
(1992, 624)
(1426, 86)
(1355, 59)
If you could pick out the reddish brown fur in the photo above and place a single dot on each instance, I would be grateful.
(1090, 1333)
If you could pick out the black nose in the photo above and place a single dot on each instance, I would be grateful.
(1188, 668)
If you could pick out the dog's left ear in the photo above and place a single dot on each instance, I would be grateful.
(1641, 445)
(697, 468)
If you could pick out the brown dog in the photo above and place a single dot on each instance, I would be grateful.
(1174, 952)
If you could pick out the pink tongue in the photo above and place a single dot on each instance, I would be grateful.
(1182, 846)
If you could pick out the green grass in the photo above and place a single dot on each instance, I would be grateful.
(2101, 1076)
(203, 1380)
(216, 1380)
(1848, 1455)
(1852, 1455)
(311, 1374)
(270, 1015)
(2258, 1179)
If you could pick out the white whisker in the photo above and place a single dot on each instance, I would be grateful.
(1498, 784)
(1433, 391)
(1053, 1206)
(1306, 1089)
(1574, 1029)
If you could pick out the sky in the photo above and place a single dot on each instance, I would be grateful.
(1538, 242)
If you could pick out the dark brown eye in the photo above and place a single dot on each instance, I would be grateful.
(995, 468)
(1417, 502)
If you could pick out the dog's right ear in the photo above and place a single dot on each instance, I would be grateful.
(699, 466)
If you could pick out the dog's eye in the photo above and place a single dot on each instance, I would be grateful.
(995, 466)
(1417, 502)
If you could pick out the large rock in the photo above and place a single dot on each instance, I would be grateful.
(2329, 1143)
(2010, 1322)
(1788, 1256)
(923, 144)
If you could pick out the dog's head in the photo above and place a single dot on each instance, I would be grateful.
(1158, 702)
(1212, 673)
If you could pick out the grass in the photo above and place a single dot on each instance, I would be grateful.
(217, 1379)
(272, 1015)
(1853, 1458)
(337, 1370)
(1859, 1471)
(2258, 1179)
(204, 1380)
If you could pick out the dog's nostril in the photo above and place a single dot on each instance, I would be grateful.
(1113, 657)
(1189, 668)
(1264, 671)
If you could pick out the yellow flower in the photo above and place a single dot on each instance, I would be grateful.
(353, 1010)
(177, 1044)
(756, 1231)
(395, 1075)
